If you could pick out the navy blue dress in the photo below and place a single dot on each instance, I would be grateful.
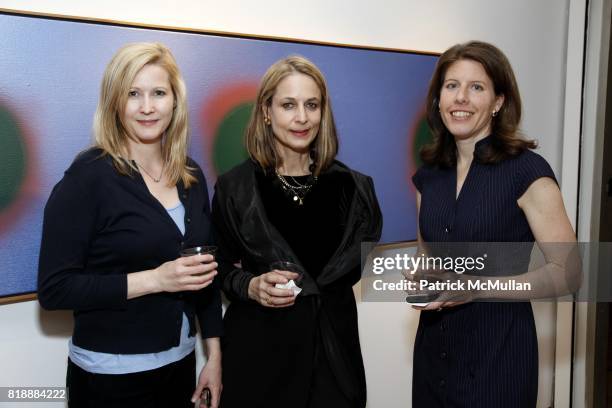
(480, 354)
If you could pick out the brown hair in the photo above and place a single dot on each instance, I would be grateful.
(506, 139)
(260, 141)
(111, 135)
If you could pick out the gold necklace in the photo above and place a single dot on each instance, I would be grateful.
(297, 191)
(161, 173)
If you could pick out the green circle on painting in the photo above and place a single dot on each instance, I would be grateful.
(228, 147)
(12, 158)
(422, 137)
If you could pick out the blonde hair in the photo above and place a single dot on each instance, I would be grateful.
(110, 133)
(260, 141)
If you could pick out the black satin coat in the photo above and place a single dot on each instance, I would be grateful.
(269, 354)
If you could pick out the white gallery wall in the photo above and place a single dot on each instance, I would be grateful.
(533, 34)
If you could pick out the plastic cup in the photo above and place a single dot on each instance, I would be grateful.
(290, 267)
(199, 250)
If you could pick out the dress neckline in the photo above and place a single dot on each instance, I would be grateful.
(481, 146)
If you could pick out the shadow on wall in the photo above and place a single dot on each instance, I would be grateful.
(57, 323)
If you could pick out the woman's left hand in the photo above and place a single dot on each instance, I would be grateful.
(450, 298)
(210, 377)
(441, 305)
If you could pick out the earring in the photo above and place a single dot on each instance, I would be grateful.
(494, 114)
(267, 120)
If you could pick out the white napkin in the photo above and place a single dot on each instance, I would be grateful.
(289, 285)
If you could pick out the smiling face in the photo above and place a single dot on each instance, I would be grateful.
(468, 100)
(150, 104)
(295, 113)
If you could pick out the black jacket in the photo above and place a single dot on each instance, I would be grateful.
(99, 226)
(259, 340)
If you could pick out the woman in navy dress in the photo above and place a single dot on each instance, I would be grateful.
(481, 182)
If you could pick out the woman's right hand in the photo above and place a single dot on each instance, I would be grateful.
(262, 289)
(186, 273)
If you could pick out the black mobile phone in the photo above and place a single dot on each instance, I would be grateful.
(205, 397)
(422, 297)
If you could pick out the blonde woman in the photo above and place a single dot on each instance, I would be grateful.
(113, 229)
(292, 201)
